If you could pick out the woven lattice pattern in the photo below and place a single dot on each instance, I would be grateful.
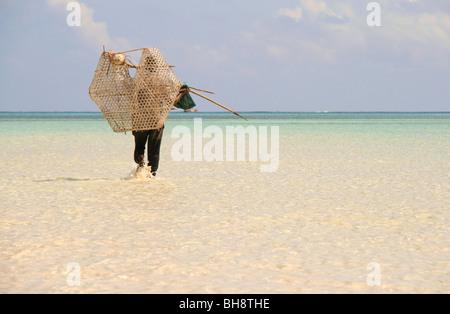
(134, 104)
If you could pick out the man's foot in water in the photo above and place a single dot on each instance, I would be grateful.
(140, 167)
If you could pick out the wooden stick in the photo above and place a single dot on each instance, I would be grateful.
(131, 50)
(130, 65)
(201, 90)
(133, 62)
(214, 102)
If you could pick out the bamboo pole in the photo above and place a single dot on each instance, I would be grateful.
(215, 102)
(200, 90)
(133, 62)
(122, 52)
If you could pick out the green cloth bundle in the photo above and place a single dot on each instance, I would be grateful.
(186, 102)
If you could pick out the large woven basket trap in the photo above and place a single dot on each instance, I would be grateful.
(138, 103)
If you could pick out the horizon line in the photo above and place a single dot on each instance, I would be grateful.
(220, 112)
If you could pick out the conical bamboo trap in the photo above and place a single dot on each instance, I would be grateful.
(142, 102)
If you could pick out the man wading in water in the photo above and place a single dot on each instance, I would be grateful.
(150, 138)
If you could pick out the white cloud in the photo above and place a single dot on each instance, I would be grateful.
(207, 54)
(94, 34)
(295, 14)
(424, 36)
(277, 51)
(314, 7)
(413, 29)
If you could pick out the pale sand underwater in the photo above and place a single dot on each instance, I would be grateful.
(347, 193)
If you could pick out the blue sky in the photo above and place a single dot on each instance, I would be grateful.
(292, 55)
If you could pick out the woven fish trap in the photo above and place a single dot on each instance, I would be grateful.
(138, 103)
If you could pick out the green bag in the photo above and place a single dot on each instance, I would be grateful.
(186, 102)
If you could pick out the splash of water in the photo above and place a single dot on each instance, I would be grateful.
(142, 173)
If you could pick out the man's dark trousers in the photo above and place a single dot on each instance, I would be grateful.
(151, 138)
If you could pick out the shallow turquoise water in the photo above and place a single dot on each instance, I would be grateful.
(350, 189)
